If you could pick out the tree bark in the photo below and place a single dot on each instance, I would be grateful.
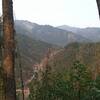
(98, 4)
(9, 47)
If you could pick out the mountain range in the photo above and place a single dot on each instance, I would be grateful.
(92, 33)
(48, 34)
(28, 53)
(34, 41)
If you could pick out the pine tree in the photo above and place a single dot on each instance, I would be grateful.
(80, 80)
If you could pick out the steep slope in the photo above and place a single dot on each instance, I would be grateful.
(88, 54)
(89, 33)
(31, 51)
(47, 33)
(69, 28)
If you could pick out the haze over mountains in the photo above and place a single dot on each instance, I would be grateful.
(34, 41)
(52, 35)
(92, 33)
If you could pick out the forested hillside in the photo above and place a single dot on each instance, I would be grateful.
(86, 53)
(72, 74)
(31, 52)
(48, 61)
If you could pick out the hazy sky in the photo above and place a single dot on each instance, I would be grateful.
(81, 13)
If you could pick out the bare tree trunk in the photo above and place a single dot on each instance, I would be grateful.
(1, 74)
(9, 47)
(98, 4)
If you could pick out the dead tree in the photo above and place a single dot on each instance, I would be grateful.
(98, 4)
(8, 50)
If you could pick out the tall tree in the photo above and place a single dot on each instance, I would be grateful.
(9, 47)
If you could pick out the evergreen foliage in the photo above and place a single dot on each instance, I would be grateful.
(76, 84)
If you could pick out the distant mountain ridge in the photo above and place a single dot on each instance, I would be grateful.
(31, 52)
(47, 33)
(91, 33)
(35, 39)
